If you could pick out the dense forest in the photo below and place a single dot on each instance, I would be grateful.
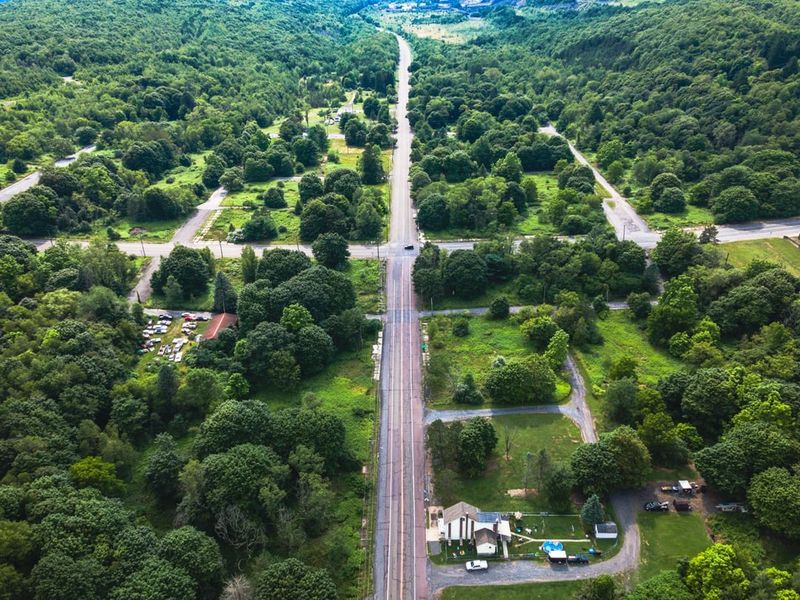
(124, 478)
(164, 82)
(682, 103)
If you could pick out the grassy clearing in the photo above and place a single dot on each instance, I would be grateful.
(366, 277)
(529, 433)
(780, 251)
(186, 175)
(667, 537)
(621, 337)
(692, 216)
(561, 590)
(346, 389)
(452, 357)
(249, 194)
(230, 266)
(450, 33)
(149, 231)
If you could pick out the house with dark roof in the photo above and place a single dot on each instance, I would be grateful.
(464, 522)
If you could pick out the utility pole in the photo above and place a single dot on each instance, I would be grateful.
(141, 241)
(220, 248)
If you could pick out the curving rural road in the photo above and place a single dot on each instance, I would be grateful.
(575, 409)
(31, 180)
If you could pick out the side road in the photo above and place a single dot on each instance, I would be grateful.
(31, 180)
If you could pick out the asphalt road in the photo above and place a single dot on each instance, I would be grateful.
(400, 552)
(31, 180)
(187, 232)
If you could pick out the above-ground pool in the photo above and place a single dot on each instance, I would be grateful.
(551, 545)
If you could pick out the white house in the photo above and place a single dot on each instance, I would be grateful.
(457, 522)
(605, 531)
(462, 522)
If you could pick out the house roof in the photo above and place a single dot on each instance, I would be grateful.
(607, 527)
(452, 513)
(219, 322)
(485, 536)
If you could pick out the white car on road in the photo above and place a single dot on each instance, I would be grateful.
(477, 565)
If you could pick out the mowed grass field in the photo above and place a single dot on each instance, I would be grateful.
(668, 537)
(622, 337)
(777, 250)
(457, 356)
(690, 217)
(529, 433)
(560, 590)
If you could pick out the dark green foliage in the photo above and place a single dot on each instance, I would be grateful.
(292, 580)
(190, 268)
(330, 250)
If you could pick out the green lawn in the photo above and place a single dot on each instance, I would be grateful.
(692, 216)
(251, 190)
(621, 337)
(365, 275)
(561, 590)
(149, 231)
(508, 289)
(667, 537)
(529, 433)
(777, 250)
(230, 266)
(453, 356)
(186, 175)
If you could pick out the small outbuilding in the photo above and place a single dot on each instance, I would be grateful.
(685, 487)
(605, 531)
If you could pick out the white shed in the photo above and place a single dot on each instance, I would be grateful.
(605, 531)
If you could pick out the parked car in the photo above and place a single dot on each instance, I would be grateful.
(477, 565)
(578, 559)
(656, 506)
(409, 247)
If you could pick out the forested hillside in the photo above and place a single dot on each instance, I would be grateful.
(202, 69)
(127, 474)
(697, 98)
